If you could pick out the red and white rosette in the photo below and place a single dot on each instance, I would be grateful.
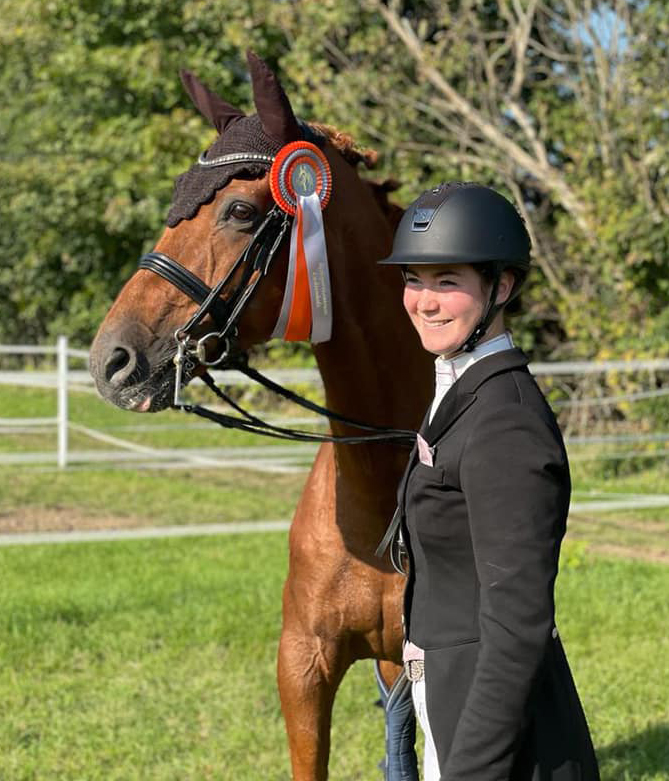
(301, 183)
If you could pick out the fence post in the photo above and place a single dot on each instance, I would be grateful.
(61, 349)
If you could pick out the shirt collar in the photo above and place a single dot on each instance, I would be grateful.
(450, 370)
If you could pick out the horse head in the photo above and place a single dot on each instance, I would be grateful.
(224, 232)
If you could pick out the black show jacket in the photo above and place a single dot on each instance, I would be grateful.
(483, 527)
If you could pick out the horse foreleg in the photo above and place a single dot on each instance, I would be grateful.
(310, 671)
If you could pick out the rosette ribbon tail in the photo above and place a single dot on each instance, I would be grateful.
(306, 311)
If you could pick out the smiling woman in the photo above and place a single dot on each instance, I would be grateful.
(482, 511)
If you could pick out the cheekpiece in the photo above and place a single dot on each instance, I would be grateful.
(300, 169)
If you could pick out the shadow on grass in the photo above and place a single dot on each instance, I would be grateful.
(644, 755)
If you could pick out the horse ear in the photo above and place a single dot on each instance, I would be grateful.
(272, 103)
(215, 109)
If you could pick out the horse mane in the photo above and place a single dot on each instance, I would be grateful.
(347, 148)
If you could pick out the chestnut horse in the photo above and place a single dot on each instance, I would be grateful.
(340, 602)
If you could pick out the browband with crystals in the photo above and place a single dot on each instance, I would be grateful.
(310, 134)
(235, 157)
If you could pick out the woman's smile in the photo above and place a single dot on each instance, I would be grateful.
(435, 323)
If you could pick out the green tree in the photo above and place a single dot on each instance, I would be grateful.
(94, 126)
(560, 104)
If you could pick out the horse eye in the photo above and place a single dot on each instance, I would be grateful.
(243, 212)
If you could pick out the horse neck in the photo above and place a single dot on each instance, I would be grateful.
(373, 369)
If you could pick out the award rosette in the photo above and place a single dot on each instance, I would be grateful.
(301, 183)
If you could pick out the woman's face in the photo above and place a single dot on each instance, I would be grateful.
(446, 303)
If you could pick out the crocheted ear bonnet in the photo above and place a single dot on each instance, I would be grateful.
(263, 133)
(199, 184)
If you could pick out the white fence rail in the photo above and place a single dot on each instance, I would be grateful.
(64, 378)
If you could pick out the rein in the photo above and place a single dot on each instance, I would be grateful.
(256, 425)
(255, 262)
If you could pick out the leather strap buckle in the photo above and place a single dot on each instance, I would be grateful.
(414, 669)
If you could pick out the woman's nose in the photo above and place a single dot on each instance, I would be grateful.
(427, 301)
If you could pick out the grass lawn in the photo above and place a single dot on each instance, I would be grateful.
(155, 660)
(100, 495)
(167, 429)
(613, 617)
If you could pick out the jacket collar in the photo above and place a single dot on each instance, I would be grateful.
(463, 392)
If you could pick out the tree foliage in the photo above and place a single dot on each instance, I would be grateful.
(561, 104)
(94, 126)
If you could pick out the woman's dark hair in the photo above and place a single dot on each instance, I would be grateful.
(487, 273)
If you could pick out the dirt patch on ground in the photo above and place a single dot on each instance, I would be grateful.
(64, 519)
(586, 528)
(622, 536)
(630, 552)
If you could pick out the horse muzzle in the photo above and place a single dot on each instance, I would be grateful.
(133, 370)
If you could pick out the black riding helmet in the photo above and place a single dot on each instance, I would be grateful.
(465, 222)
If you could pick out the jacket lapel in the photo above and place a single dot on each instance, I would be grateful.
(454, 403)
(463, 392)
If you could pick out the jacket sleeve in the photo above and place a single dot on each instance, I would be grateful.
(515, 478)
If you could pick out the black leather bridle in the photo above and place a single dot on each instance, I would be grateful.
(254, 262)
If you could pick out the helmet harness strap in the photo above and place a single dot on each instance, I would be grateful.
(488, 316)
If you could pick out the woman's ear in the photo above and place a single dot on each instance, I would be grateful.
(507, 280)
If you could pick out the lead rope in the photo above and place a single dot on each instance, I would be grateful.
(253, 424)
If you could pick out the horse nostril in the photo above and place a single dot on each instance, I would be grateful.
(120, 365)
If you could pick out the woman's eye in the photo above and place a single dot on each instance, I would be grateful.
(243, 212)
